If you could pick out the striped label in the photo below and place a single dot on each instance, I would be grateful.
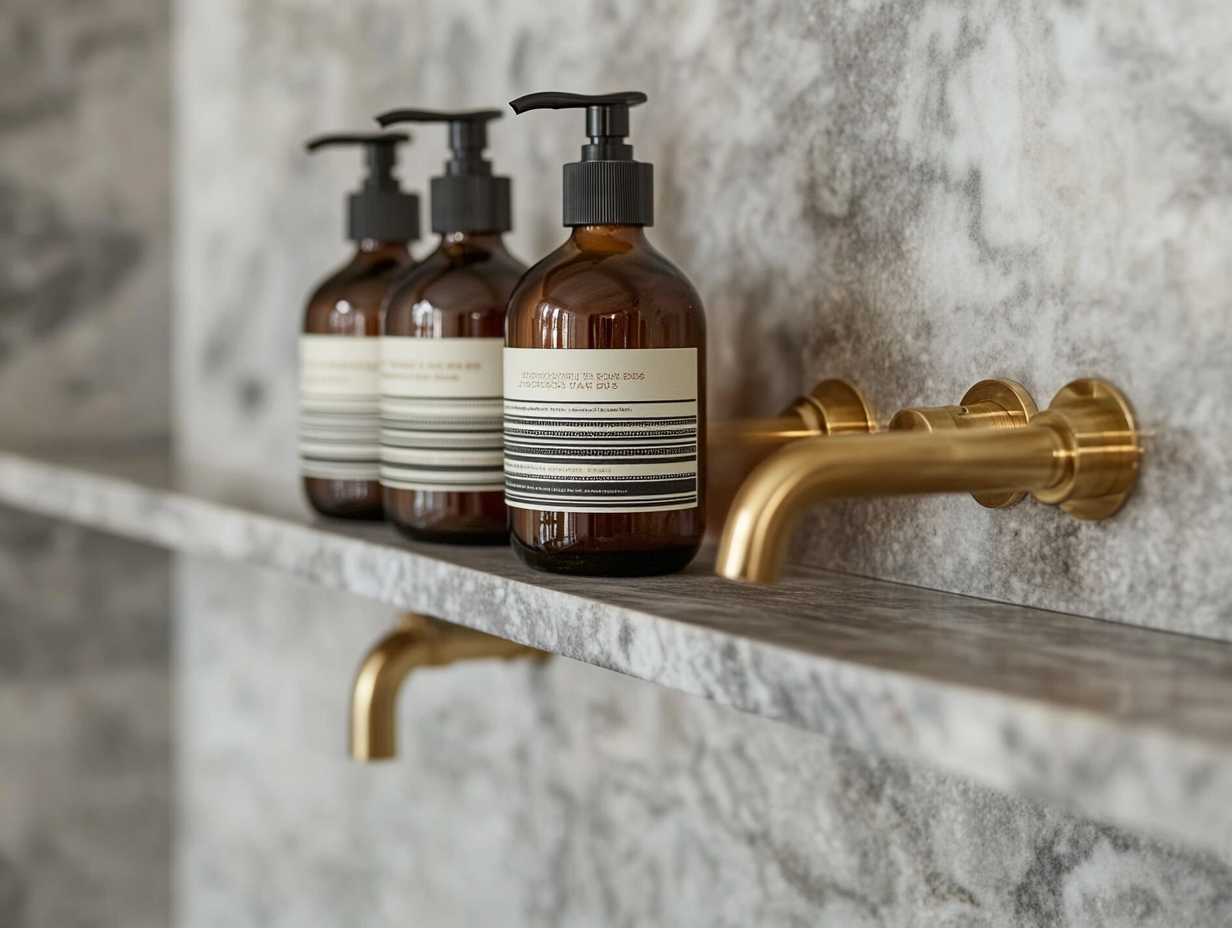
(601, 430)
(441, 413)
(338, 408)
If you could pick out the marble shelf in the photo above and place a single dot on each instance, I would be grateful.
(1111, 721)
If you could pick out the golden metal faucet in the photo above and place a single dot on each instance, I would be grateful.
(418, 641)
(736, 446)
(1081, 453)
(833, 407)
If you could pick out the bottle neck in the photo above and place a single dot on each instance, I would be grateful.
(609, 238)
(473, 241)
(374, 248)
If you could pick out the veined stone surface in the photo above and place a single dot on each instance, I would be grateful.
(561, 794)
(916, 195)
(1114, 722)
(85, 728)
(85, 219)
(85, 753)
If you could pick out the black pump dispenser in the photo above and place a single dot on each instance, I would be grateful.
(607, 187)
(467, 198)
(379, 211)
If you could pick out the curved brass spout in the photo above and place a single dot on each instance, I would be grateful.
(418, 642)
(1082, 452)
(736, 446)
(833, 407)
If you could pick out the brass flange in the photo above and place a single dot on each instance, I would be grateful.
(990, 404)
(835, 407)
(1100, 431)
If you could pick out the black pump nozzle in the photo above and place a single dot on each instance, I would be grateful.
(607, 118)
(467, 198)
(468, 135)
(607, 186)
(380, 210)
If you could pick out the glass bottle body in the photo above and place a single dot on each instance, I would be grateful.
(607, 287)
(348, 302)
(459, 291)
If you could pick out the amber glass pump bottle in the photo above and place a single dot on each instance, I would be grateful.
(339, 392)
(441, 348)
(605, 375)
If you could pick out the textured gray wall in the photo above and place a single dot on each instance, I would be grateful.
(85, 729)
(84, 219)
(565, 796)
(916, 194)
(85, 726)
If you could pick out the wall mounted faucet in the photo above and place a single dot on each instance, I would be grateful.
(833, 407)
(736, 446)
(418, 641)
(1081, 453)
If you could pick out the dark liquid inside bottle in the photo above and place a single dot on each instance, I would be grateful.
(459, 291)
(607, 287)
(349, 303)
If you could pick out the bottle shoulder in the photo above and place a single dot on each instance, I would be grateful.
(348, 301)
(576, 298)
(448, 285)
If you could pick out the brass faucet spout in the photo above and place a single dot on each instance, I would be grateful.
(736, 446)
(417, 642)
(1082, 453)
(811, 471)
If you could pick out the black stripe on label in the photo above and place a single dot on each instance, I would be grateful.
(682, 502)
(606, 434)
(613, 422)
(601, 437)
(594, 488)
(470, 427)
(591, 456)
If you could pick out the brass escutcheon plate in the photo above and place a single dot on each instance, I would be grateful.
(1018, 410)
(1104, 431)
(836, 407)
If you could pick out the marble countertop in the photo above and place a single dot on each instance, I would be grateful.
(1111, 721)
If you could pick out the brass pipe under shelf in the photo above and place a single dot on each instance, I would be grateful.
(418, 642)
(1081, 453)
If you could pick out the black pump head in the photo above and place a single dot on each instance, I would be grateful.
(467, 198)
(607, 119)
(380, 210)
(607, 186)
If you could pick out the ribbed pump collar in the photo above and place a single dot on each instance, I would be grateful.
(607, 186)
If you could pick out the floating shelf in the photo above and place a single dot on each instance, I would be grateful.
(1110, 721)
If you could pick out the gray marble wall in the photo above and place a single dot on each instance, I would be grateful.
(564, 795)
(917, 195)
(85, 726)
(85, 729)
(914, 194)
(84, 219)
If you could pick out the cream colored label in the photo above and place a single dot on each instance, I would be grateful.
(601, 430)
(441, 367)
(339, 365)
(441, 414)
(339, 406)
